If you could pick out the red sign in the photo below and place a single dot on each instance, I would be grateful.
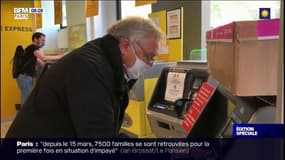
(222, 33)
(203, 96)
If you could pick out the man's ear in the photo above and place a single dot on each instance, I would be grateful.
(124, 44)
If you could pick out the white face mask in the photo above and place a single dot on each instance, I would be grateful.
(137, 69)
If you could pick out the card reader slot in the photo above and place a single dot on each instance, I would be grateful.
(160, 106)
(163, 125)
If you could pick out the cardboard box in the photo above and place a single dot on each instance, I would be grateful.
(243, 56)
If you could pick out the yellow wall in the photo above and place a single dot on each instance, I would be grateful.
(13, 33)
(175, 52)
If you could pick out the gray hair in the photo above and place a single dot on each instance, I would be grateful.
(135, 29)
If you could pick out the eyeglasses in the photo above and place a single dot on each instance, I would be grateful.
(147, 56)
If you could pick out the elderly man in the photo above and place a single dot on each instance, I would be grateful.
(85, 94)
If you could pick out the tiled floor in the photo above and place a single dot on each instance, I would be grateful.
(5, 124)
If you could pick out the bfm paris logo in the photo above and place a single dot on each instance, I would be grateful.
(23, 13)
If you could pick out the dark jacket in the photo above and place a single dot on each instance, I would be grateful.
(83, 95)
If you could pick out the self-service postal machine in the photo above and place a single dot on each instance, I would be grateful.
(175, 93)
(165, 113)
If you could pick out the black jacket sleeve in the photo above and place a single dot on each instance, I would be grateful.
(90, 102)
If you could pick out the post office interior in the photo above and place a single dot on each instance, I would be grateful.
(156, 110)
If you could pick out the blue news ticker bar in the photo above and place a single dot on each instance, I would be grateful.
(150, 149)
